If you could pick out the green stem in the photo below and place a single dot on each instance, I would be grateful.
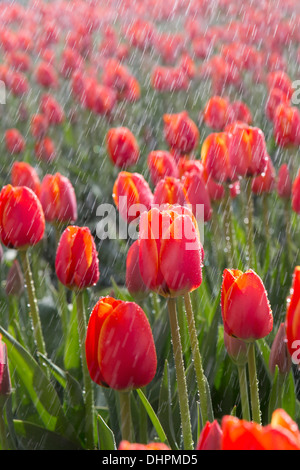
(34, 311)
(125, 411)
(201, 380)
(88, 385)
(180, 375)
(244, 392)
(62, 297)
(250, 233)
(254, 393)
(228, 227)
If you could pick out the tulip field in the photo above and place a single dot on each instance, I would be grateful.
(150, 225)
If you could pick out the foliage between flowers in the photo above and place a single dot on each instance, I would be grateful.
(47, 412)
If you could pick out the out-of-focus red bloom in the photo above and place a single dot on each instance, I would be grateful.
(296, 194)
(169, 190)
(170, 46)
(161, 163)
(210, 437)
(275, 98)
(76, 262)
(196, 194)
(58, 199)
(247, 150)
(71, 60)
(132, 195)
(117, 77)
(103, 100)
(134, 281)
(22, 220)
(287, 125)
(280, 79)
(293, 318)
(284, 182)
(23, 174)
(215, 113)
(181, 132)
(266, 182)
(279, 354)
(51, 108)
(19, 61)
(5, 383)
(17, 82)
(237, 349)
(39, 126)
(44, 149)
(169, 79)
(281, 434)
(126, 445)
(46, 76)
(170, 251)
(216, 159)
(246, 311)
(187, 65)
(238, 111)
(140, 34)
(122, 147)
(120, 349)
(15, 142)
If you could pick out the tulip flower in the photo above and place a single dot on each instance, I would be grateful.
(46, 75)
(215, 113)
(210, 437)
(284, 182)
(238, 111)
(132, 195)
(216, 158)
(196, 194)
(169, 190)
(52, 109)
(161, 163)
(157, 446)
(296, 194)
(293, 319)
(23, 174)
(280, 79)
(286, 125)
(122, 147)
(15, 142)
(39, 126)
(134, 281)
(275, 98)
(181, 133)
(281, 434)
(44, 150)
(58, 199)
(279, 355)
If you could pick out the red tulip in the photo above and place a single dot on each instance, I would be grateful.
(15, 142)
(5, 383)
(58, 199)
(122, 147)
(287, 125)
(293, 318)
(23, 174)
(46, 75)
(171, 254)
(296, 194)
(279, 354)
(275, 98)
(237, 349)
(126, 445)
(181, 132)
(44, 150)
(210, 437)
(137, 192)
(215, 157)
(161, 163)
(51, 108)
(134, 281)
(76, 262)
(22, 221)
(39, 126)
(196, 193)
(245, 306)
(265, 183)
(284, 182)
(279, 79)
(215, 113)
(238, 111)
(169, 190)
(120, 349)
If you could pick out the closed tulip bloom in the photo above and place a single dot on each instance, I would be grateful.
(238, 111)
(215, 113)
(15, 142)
(23, 174)
(284, 182)
(287, 125)
(215, 158)
(265, 183)
(44, 150)
(210, 437)
(39, 126)
(161, 163)
(134, 281)
(76, 262)
(120, 350)
(5, 382)
(171, 254)
(132, 195)
(293, 316)
(196, 194)
(169, 190)
(237, 349)
(275, 98)
(58, 199)
(246, 311)
(181, 133)
(248, 151)
(22, 220)
(296, 194)
(280, 79)
(122, 147)
(46, 75)
(52, 109)
(281, 434)
(279, 355)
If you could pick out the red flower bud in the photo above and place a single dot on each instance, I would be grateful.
(275, 98)
(296, 194)
(15, 142)
(196, 194)
(46, 75)
(245, 306)
(169, 190)
(120, 349)
(215, 157)
(279, 355)
(134, 281)
(287, 125)
(284, 182)
(39, 126)
(265, 183)
(22, 220)
(76, 262)
(237, 349)
(122, 147)
(45, 150)
(137, 192)
(210, 437)
(5, 383)
(52, 109)
(58, 199)
(293, 318)
(23, 174)
(181, 132)
(215, 113)
(161, 163)
(170, 251)
(238, 111)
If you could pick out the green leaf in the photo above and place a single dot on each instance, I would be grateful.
(154, 419)
(39, 388)
(106, 438)
(72, 348)
(164, 412)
